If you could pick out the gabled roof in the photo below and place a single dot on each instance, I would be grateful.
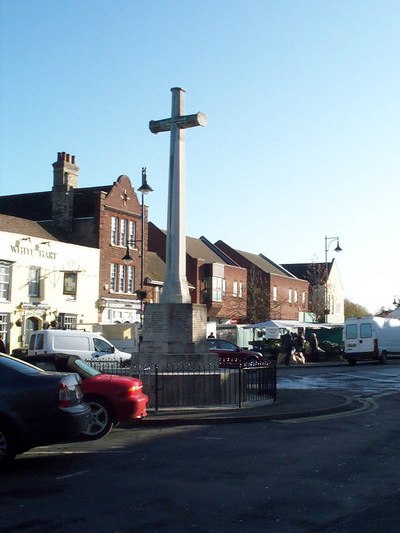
(259, 260)
(301, 270)
(39, 204)
(265, 264)
(203, 249)
(22, 226)
(155, 273)
(199, 249)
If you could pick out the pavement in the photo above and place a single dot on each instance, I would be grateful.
(289, 404)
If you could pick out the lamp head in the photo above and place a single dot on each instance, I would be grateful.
(145, 187)
(127, 257)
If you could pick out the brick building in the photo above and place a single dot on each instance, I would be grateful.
(272, 291)
(214, 278)
(105, 217)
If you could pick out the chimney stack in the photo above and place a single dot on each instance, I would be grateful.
(65, 180)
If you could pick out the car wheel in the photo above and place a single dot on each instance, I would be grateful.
(383, 358)
(101, 419)
(7, 446)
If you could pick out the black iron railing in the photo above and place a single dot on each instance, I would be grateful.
(201, 385)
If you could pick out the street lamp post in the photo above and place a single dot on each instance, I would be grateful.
(143, 189)
(141, 294)
(328, 242)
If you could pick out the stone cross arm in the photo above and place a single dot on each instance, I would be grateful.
(183, 122)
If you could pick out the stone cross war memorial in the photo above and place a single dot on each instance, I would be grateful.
(174, 331)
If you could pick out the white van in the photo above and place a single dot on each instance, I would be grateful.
(369, 338)
(88, 346)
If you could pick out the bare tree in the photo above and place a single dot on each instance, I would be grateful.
(259, 306)
(317, 276)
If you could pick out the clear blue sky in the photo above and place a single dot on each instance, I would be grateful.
(303, 107)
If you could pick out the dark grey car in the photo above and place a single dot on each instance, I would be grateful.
(37, 408)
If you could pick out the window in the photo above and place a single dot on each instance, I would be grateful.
(101, 345)
(296, 296)
(235, 289)
(303, 297)
(114, 230)
(70, 282)
(67, 321)
(5, 280)
(132, 233)
(365, 331)
(275, 293)
(113, 277)
(130, 278)
(217, 289)
(351, 331)
(122, 278)
(34, 281)
(4, 321)
(123, 228)
(290, 296)
(240, 289)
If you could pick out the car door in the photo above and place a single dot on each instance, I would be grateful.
(103, 350)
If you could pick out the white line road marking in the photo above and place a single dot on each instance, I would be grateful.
(73, 475)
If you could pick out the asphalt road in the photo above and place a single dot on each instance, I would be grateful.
(338, 473)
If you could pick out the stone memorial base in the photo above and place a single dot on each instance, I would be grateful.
(174, 334)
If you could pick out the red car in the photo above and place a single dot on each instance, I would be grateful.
(112, 398)
(232, 356)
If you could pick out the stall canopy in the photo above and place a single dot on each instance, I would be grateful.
(273, 329)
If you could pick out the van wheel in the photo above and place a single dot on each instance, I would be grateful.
(383, 358)
(101, 419)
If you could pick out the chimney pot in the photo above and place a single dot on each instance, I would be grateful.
(73, 159)
(67, 158)
(63, 156)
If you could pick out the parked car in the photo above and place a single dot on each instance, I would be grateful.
(232, 356)
(89, 346)
(112, 398)
(37, 408)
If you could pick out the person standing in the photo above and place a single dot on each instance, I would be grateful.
(3, 348)
(288, 346)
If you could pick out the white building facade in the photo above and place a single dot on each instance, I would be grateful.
(45, 283)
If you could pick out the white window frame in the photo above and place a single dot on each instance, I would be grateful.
(34, 281)
(275, 293)
(218, 288)
(114, 231)
(130, 279)
(5, 281)
(113, 277)
(121, 278)
(290, 297)
(123, 231)
(235, 289)
(132, 233)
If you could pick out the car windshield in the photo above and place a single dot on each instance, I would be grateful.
(87, 368)
(19, 366)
